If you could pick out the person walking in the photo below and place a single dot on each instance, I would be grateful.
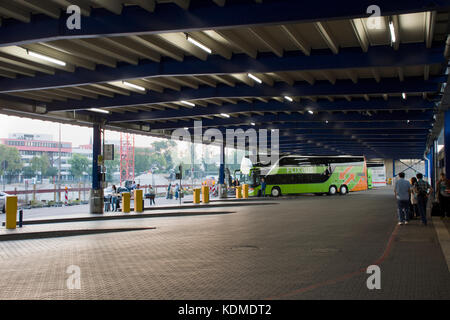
(414, 212)
(402, 191)
(263, 187)
(443, 186)
(424, 190)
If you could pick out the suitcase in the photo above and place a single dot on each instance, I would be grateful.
(435, 209)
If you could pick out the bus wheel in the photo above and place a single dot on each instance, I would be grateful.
(276, 192)
(332, 191)
(344, 190)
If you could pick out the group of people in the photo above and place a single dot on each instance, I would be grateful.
(176, 189)
(113, 201)
(412, 197)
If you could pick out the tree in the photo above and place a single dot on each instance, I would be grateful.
(12, 157)
(79, 164)
(51, 172)
(40, 165)
(142, 160)
(111, 166)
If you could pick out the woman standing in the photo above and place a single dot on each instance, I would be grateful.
(414, 202)
(443, 186)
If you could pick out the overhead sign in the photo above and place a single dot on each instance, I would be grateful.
(108, 152)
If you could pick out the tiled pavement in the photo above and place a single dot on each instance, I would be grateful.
(293, 250)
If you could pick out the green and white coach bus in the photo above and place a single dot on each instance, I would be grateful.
(296, 174)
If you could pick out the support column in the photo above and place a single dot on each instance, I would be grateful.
(222, 187)
(96, 195)
(393, 169)
(447, 143)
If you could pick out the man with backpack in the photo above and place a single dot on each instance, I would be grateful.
(424, 190)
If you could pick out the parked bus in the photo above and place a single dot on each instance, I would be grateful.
(294, 174)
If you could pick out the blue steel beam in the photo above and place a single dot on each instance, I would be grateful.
(378, 56)
(344, 105)
(414, 115)
(320, 88)
(169, 17)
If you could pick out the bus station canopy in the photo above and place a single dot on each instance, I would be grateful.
(329, 77)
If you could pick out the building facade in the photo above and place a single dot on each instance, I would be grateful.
(36, 145)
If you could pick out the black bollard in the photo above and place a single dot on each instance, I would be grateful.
(20, 218)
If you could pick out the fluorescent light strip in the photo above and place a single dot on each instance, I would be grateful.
(99, 110)
(188, 103)
(41, 56)
(404, 96)
(225, 115)
(288, 98)
(391, 28)
(252, 123)
(254, 78)
(198, 44)
(132, 85)
(310, 111)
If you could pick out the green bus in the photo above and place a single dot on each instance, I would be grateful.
(296, 174)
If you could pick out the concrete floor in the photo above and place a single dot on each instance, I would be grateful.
(308, 247)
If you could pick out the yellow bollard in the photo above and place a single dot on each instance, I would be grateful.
(239, 192)
(126, 202)
(197, 195)
(138, 203)
(205, 194)
(11, 212)
(245, 191)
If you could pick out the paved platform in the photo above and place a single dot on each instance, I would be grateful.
(301, 248)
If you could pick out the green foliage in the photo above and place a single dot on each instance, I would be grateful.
(111, 167)
(28, 172)
(79, 164)
(12, 156)
(40, 164)
(159, 155)
(51, 172)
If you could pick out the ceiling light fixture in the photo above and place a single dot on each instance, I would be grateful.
(310, 112)
(252, 123)
(99, 110)
(188, 103)
(288, 98)
(198, 44)
(254, 78)
(225, 115)
(132, 85)
(391, 28)
(41, 56)
(404, 96)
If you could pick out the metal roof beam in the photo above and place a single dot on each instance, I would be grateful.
(376, 57)
(373, 104)
(321, 88)
(170, 17)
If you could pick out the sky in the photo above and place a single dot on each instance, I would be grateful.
(69, 133)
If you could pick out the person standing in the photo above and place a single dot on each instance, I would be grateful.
(424, 190)
(177, 191)
(402, 191)
(168, 190)
(263, 187)
(444, 197)
(414, 212)
(115, 198)
(152, 194)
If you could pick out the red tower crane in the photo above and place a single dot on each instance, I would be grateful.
(126, 157)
